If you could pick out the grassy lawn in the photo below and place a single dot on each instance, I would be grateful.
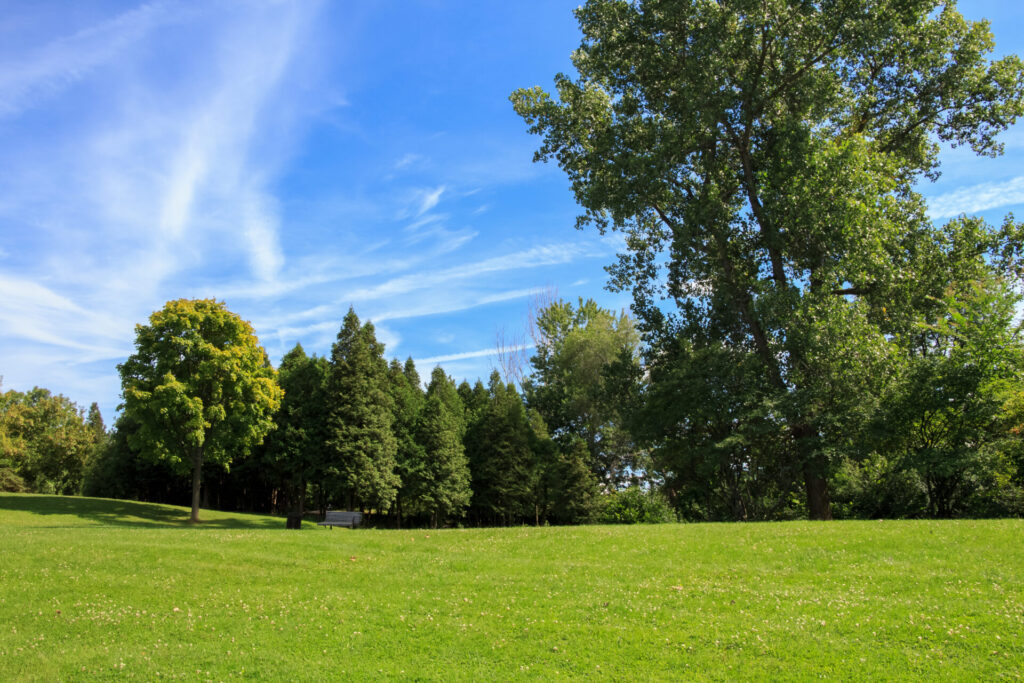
(100, 589)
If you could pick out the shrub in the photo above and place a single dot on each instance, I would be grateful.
(636, 505)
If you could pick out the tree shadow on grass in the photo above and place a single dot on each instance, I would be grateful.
(128, 513)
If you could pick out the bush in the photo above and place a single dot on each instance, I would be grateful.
(876, 488)
(636, 506)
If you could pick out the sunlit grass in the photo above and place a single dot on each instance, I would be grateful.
(114, 591)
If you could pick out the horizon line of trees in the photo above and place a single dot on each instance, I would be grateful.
(354, 431)
(594, 434)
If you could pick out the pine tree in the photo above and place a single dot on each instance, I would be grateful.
(359, 426)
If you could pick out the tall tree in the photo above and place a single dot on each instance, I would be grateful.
(498, 448)
(360, 421)
(577, 349)
(295, 450)
(407, 401)
(440, 486)
(945, 419)
(761, 158)
(199, 387)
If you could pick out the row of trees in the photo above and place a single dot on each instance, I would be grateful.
(939, 437)
(46, 441)
(354, 431)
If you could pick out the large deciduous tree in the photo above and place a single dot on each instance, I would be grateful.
(44, 442)
(577, 349)
(199, 387)
(761, 157)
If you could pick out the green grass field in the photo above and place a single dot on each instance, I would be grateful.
(101, 589)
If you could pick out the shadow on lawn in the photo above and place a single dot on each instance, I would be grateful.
(129, 513)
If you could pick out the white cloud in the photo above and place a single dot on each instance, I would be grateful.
(546, 255)
(69, 59)
(471, 354)
(437, 305)
(159, 179)
(429, 200)
(977, 198)
(406, 161)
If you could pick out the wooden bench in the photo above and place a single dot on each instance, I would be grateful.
(342, 518)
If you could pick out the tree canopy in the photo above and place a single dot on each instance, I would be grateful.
(762, 158)
(198, 387)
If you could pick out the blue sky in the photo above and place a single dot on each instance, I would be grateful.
(296, 158)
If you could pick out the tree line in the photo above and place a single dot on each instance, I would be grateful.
(206, 418)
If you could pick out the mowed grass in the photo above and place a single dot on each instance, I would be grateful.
(99, 589)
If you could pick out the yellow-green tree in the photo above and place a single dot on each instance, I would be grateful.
(199, 386)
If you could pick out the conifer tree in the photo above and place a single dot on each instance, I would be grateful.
(296, 449)
(441, 483)
(359, 425)
(498, 446)
(407, 402)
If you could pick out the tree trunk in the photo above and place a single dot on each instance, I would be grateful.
(197, 477)
(819, 507)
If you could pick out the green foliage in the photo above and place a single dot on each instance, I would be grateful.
(198, 387)
(945, 418)
(572, 493)
(439, 484)
(578, 348)
(636, 505)
(295, 452)
(761, 158)
(44, 442)
(498, 445)
(359, 426)
(877, 487)
(407, 400)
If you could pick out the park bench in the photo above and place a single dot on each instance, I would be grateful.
(341, 518)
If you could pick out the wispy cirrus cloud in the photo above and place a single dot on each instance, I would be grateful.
(977, 198)
(481, 353)
(429, 200)
(50, 68)
(155, 161)
(545, 255)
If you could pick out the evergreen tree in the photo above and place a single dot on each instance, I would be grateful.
(407, 400)
(498, 447)
(94, 420)
(572, 485)
(441, 484)
(359, 425)
(296, 451)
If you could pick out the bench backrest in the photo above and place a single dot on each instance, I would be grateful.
(344, 517)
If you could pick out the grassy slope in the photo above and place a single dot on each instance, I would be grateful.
(102, 589)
